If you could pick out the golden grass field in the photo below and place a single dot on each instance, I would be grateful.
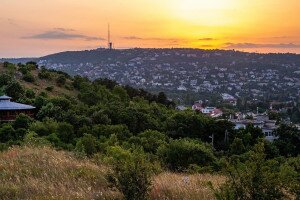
(45, 173)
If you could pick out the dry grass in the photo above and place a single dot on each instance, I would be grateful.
(170, 186)
(43, 173)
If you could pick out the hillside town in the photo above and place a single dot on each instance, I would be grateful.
(257, 76)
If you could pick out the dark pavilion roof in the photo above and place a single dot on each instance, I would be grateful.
(6, 104)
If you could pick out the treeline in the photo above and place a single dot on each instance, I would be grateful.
(140, 133)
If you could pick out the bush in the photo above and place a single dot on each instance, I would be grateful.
(44, 128)
(61, 80)
(65, 132)
(87, 145)
(32, 65)
(49, 88)
(150, 140)
(132, 173)
(30, 94)
(7, 132)
(178, 155)
(257, 178)
(28, 77)
(4, 79)
(44, 74)
(14, 90)
(22, 121)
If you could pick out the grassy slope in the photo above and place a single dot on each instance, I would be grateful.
(44, 173)
(40, 84)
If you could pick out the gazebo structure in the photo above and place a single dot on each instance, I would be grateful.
(10, 110)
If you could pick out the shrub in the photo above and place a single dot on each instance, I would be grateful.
(4, 79)
(30, 94)
(32, 65)
(44, 128)
(28, 77)
(65, 132)
(14, 90)
(121, 131)
(257, 178)
(87, 145)
(132, 173)
(7, 132)
(49, 88)
(178, 155)
(22, 121)
(61, 80)
(44, 74)
(150, 140)
(23, 69)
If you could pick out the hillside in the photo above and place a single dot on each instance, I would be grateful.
(40, 85)
(44, 173)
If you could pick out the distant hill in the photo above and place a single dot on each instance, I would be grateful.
(17, 60)
(188, 74)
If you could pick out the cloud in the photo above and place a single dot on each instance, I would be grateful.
(9, 21)
(150, 38)
(61, 34)
(64, 29)
(254, 45)
(206, 39)
(132, 38)
(207, 46)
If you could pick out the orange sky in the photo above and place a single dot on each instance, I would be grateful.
(40, 27)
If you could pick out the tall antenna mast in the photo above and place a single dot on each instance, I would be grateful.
(108, 38)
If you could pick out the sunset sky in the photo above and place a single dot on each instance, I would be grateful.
(40, 27)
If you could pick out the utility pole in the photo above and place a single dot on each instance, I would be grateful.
(109, 43)
(212, 137)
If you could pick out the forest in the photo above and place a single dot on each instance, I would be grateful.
(138, 134)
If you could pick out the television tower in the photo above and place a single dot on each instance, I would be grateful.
(109, 43)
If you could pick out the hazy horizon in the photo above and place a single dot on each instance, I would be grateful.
(37, 28)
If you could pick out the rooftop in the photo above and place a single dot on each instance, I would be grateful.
(6, 104)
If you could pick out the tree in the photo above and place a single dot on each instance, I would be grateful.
(50, 111)
(288, 141)
(162, 98)
(121, 93)
(188, 124)
(14, 90)
(237, 147)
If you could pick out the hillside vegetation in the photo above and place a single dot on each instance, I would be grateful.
(133, 145)
(44, 173)
(39, 85)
